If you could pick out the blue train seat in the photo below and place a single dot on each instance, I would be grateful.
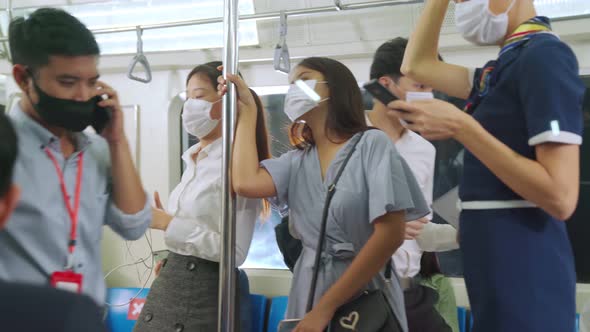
(258, 306)
(278, 307)
(125, 307)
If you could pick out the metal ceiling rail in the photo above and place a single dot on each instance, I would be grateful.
(258, 17)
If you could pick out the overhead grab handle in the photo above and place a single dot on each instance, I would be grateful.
(140, 58)
(338, 5)
(282, 62)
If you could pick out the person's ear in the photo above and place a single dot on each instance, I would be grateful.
(8, 204)
(392, 86)
(21, 77)
(386, 81)
(216, 110)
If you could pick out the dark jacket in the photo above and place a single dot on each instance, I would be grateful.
(27, 308)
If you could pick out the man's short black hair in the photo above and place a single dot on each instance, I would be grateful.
(47, 32)
(8, 148)
(388, 59)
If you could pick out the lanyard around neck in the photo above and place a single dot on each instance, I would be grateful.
(72, 210)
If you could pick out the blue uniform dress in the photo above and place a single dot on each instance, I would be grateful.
(519, 265)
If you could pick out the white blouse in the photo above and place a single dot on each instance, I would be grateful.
(195, 205)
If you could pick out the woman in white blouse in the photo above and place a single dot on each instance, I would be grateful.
(184, 297)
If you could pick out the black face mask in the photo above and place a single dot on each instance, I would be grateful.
(64, 113)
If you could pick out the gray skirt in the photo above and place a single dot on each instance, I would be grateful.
(183, 298)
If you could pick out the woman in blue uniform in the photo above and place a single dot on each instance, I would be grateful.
(522, 130)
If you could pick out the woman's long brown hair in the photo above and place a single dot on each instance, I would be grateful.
(262, 144)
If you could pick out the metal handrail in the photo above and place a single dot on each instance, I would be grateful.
(257, 17)
(227, 261)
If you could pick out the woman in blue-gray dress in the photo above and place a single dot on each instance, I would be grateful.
(375, 195)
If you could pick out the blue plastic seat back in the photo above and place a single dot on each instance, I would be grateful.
(462, 318)
(258, 305)
(577, 327)
(278, 308)
(125, 306)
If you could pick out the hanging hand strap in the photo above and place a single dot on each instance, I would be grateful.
(140, 58)
(282, 62)
(320, 246)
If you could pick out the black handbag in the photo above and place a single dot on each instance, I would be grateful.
(289, 246)
(421, 312)
(370, 311)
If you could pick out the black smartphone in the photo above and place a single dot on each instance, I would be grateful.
(379, 92)
(102, 116)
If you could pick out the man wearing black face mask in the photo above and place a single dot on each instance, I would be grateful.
(53, 309)
(72, 183)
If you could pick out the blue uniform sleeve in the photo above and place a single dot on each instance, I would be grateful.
(390, 182)
(551, 92)
(280, 171)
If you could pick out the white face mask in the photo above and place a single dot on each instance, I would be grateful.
(478, 25)
(301, 98)
(196, 117)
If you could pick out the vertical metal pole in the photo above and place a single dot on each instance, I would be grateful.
(227, 278)
(5, 44)
(137, 119)
(9, 10)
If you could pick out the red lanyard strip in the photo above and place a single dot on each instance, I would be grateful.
(73, 212)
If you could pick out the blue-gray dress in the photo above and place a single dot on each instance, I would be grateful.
(376, 181)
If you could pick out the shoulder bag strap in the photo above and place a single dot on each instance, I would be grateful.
(321, 238)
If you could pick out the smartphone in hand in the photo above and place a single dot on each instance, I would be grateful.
(379, 92)
(102, 116)
(288, 325)
(414, 96)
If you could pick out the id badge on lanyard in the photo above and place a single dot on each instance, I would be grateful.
(67, 279)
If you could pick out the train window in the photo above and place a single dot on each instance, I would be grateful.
(264, 252)
(105, 15)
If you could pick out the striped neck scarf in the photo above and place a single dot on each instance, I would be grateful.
(524, 33)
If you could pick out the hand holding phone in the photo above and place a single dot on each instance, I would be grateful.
(414, 96)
